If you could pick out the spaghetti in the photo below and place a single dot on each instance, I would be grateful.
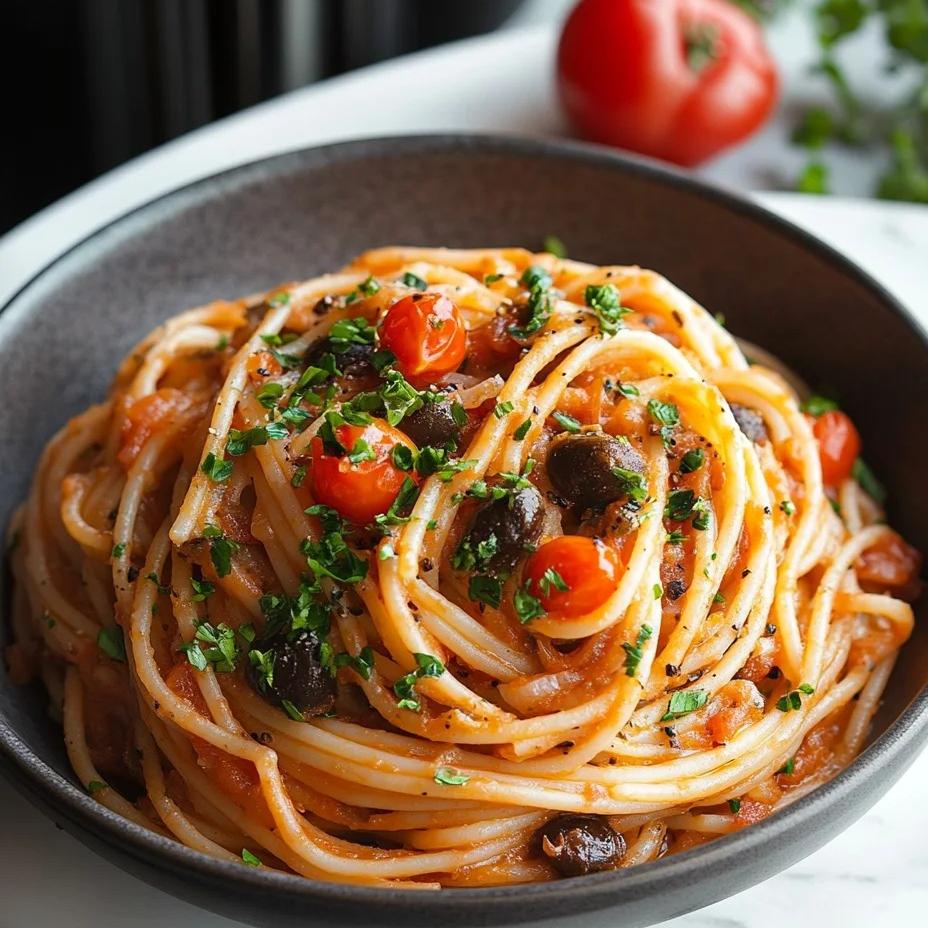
(456, 568)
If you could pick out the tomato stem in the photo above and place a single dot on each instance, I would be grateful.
(701, 43)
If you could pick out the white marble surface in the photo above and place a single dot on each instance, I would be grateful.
(876, 873)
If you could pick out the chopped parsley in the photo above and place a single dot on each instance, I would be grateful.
(500, 410)
(632, 484)
(605, 301)
(734, 805)
(369, 286)
(633, 652)
(222, 651)
(868, 481)
(788, 506)
(667, 416)
(692, 461)
(552, 580)
(683, 703)
(250, 858)
(239, 443)
(554, 246)
(221, 550)
(299, 475)
(448, 776)
(202, 589)
(818, 405)
(539, 304)
(119, 550)
(347, 332)
(475, 556)
(414, 281)
(491, 278)
(522, 430)
(485, 589)
(405, 686)
(361, 663)
(789, 767)
(685, 504)
(95, 786)
(527, 606)
(217, 469)
(792, 701)
(111, 642)
(566, 422)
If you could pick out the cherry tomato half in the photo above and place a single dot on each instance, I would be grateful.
(363, 482)
(587, 568)
(676, 79)
(838, 446)
(890, 564)
(427, 335)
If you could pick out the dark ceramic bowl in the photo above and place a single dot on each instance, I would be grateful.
(300, 214)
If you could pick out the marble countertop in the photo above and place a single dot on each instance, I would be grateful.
(876, 872)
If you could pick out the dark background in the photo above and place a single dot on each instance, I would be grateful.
(88, 84)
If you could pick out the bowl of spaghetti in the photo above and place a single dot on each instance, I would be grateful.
(459, 580)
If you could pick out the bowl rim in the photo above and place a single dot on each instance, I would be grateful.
(46, 786)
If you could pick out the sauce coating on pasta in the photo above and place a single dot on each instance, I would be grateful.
(456, 568)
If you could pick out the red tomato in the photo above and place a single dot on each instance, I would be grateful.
(147, 416)
(427, 335)
(365, 488)
(889, 564)
(838, 446)
(587, 567)
(675, 79)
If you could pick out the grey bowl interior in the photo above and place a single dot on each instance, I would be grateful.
(304, 213)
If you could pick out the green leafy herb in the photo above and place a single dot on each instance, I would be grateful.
(500, 410)
(683, 703)
(605, 301)
(527, 606)
(118, 550)
(299, 475)
(222, 651)
(111, 642)
(221, 550)
(217, 469)
(554, 246)
(569, 423)
(818, 405)
(692, 461)
(539, 304)
(520, 433)
(292, 710)
(369, 286)
(792, 701)
(491, 278)
(405, 686)
(202, 589)
(868, 481)
(95, 786)
(362, 662)
(667, 416)
(485, 589)
(552, 580)
(250, 858)
(448, 776)
(788, 506)
(632, 484)
(734, 805)
(633, 652)
(414, 281)
(789, 767)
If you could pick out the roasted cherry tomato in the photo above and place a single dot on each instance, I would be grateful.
(675, 79)
(890, 564)
(572, 575)
(427, 335)
(838, 446)
(364, 481)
